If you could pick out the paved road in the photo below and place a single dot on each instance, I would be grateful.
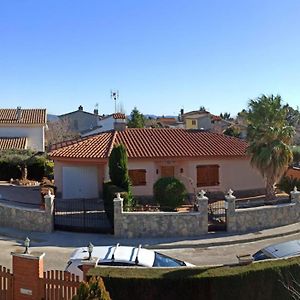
(56, 257)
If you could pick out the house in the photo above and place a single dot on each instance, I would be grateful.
(163, 122)
(105, 123)
(200, 159)
(22, 129)
(81, 121)
(201, 119)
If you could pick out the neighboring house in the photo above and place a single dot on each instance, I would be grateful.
(81, 121)
(204, 120)
(163, 122)
(105, 123)
(22, 129)
(201, 160)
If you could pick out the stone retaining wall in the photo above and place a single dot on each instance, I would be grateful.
(263, 217)
(159, 224)
(31, 219)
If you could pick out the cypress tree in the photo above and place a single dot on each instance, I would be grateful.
(118, 170)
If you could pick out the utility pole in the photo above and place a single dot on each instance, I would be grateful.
(114, 94)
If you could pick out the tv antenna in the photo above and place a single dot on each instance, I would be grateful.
(114, 94)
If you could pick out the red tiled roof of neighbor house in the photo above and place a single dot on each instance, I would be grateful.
(19, 143)
(22, 116)
(156, 143)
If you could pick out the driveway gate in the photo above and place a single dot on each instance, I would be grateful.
(217, 220)
(82, 215)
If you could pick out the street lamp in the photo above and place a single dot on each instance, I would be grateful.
(26, 245)
(90, 250)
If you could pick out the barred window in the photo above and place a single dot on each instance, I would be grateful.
(137, 176)
(207, 175)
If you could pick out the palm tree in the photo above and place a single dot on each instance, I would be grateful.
(269, 137)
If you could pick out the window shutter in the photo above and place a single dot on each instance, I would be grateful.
(137, 177)
(207, 175)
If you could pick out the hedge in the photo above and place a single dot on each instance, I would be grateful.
(259, 281)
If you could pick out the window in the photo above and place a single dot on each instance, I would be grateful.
(193, 122)
(207, 175)
(137, 177)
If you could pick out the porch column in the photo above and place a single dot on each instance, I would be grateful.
(230, 211)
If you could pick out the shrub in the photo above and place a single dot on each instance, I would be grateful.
(169, 192)
(92, 290)
(259, 281)
(109, 194)
(118, 172)
(288, 183)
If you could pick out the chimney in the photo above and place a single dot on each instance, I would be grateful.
(96, 111)
(120, 126)
(80, 108)
(19, 113)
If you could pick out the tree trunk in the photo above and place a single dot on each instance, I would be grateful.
(24, 172)
(270, 190)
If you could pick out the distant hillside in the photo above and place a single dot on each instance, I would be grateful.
(51, 118)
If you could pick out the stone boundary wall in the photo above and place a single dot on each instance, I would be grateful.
(31, 219)
(160, 224)
(263, 217)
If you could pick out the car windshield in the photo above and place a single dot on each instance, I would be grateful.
(260, 256)
(161, 260)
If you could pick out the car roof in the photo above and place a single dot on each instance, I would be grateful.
(284, 249)
(126, 254)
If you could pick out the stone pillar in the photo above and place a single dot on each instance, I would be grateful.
(202, 203)
(295, 196)
(27, 270)
(230, 212)
(88, 264)
(118, 211)
(49, 210)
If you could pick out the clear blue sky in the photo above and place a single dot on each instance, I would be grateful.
(162, 55)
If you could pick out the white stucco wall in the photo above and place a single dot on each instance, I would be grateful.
(35, 135)
(236, 174)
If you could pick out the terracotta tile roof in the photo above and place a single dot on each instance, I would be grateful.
(156, 143)
(97, 146)
(13, 143)
(27, 116)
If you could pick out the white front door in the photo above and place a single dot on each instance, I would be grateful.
(80, 182)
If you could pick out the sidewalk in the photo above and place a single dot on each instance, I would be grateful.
(72, 239)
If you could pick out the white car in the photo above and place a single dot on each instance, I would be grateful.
(121, 256)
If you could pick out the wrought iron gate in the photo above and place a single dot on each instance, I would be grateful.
(82, 215)
(217, 220)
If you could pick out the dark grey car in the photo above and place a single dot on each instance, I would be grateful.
(281, 250)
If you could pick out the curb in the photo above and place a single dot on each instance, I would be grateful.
(221, 243)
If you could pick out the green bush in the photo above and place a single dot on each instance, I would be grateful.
(259, 281)
(169, 192)
(288, 183)
(118, 171)
(12, 162)
(92, 290)
(109, 194)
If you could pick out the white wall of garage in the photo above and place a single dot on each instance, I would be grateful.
(80, 182)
